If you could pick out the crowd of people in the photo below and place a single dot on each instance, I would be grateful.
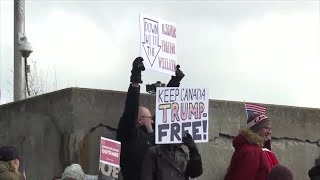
(142, 159)
(10, 167)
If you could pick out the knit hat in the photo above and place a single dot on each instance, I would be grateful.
(280, 172)
(74, 171)
(255, 114)
(261, 124)
(8, 153)
(315, 171)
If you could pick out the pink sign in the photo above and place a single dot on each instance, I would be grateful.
(110, 152)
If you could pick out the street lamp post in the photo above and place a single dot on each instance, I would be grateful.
(19, 28)
(22, 48)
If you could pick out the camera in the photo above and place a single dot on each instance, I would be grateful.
(25, 47)
(151, 88)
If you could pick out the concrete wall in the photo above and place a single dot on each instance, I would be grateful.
(58, 128)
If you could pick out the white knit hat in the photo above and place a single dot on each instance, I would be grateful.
(74, 171)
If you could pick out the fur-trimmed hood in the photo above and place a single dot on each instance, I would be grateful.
(5, 172)
(246, 136)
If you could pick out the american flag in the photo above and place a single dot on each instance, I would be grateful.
(252, 108)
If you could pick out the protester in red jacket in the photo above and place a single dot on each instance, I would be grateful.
(253, 158)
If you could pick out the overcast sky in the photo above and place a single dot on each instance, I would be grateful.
(260, 51)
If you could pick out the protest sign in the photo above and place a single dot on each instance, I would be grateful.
(158, 44)
(181, 110)
(110, 152)
(109, 171)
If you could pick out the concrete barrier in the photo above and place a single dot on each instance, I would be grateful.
(56, 129)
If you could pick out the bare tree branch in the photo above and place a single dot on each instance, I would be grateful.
(37, 81)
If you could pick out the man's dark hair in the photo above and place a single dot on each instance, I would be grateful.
(314, 172)
(317, 161)
(56, 177)
(280, 172)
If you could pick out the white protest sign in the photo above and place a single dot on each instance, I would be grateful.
(181, 110)
(158, 44)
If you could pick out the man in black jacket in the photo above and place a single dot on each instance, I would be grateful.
(171, 162)
(135, 129)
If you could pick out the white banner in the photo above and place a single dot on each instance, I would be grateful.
(181, 110)
(158, 44)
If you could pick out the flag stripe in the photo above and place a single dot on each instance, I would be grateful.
(255, 108)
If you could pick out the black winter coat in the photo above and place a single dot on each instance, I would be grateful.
(134, 140)
(163, 163)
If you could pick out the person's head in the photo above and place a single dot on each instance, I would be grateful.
(261, 125)
(314, 172)
(145, 118)
(57, 178)
(73, 172)
(280, 172)
(10, 155)
(317, 161)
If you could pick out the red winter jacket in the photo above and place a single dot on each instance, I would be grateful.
(250, 161)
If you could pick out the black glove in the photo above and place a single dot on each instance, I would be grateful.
(189, 142)
(175, 80)
(179, 74)
(137, 67)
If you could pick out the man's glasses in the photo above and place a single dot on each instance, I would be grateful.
(147, 117)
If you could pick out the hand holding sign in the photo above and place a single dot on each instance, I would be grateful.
(189, 142)
(175, 80)
(179, 73)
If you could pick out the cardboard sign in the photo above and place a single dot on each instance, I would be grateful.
(110, 152)
(181, 110)
(158, 44)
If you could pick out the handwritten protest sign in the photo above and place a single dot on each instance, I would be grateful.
(158, 44)
(181, 110)
(110, 152)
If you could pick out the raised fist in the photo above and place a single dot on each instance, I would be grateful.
(137, 67)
